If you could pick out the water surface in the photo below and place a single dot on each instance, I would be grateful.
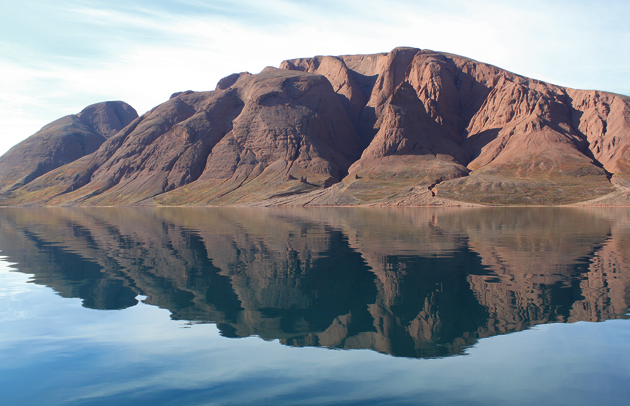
(314, 306)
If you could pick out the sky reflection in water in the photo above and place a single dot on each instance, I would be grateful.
(421, 286)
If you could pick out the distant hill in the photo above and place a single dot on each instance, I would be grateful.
(408, 127)
(62, 141)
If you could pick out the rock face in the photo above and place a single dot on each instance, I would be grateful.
(251, 139)
(410, 127)
(433, 117)
(63, 141)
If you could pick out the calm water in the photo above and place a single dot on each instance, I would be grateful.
(314, 307)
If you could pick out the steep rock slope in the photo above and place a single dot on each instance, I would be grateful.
(291, 136)
(408, 127)
(525, 141)
(63, 141)
(256, 136)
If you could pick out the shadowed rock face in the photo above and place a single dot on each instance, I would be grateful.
(255, 137)
(414, 282)
(522, 141)
(107, 118)
(61, 142)
(408, 127)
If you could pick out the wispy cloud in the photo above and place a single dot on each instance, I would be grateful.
(65, 55)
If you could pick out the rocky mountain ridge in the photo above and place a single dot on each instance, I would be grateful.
(408, 127)
(63, 141)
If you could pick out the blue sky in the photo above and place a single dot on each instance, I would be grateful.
(58, 57)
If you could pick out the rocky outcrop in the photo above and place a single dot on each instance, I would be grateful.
(291, 125)
(603, 119)
(520, 140)
(246, 141)
(408, 127)
(61, 142)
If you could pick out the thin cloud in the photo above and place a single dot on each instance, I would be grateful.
(141, 52)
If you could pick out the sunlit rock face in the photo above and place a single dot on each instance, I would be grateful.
(274, 133)
(481, 133)
(61, 142)
(413, 283)
(408, 127)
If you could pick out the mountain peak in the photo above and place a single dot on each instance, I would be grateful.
(410, 127)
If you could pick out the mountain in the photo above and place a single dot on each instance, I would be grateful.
(63, 141)
(408, 127)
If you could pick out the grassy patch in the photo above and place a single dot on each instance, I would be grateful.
(491, 189)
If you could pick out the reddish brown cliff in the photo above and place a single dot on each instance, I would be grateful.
(61, 142)
(408, 127)
(520, 140)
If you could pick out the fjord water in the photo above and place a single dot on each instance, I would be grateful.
(218, 306)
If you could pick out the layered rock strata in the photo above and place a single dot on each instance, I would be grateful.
(408, 127)
(61, 142)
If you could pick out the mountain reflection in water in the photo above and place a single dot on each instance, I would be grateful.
(406, 282)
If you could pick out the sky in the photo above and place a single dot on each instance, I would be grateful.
(57, 57)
